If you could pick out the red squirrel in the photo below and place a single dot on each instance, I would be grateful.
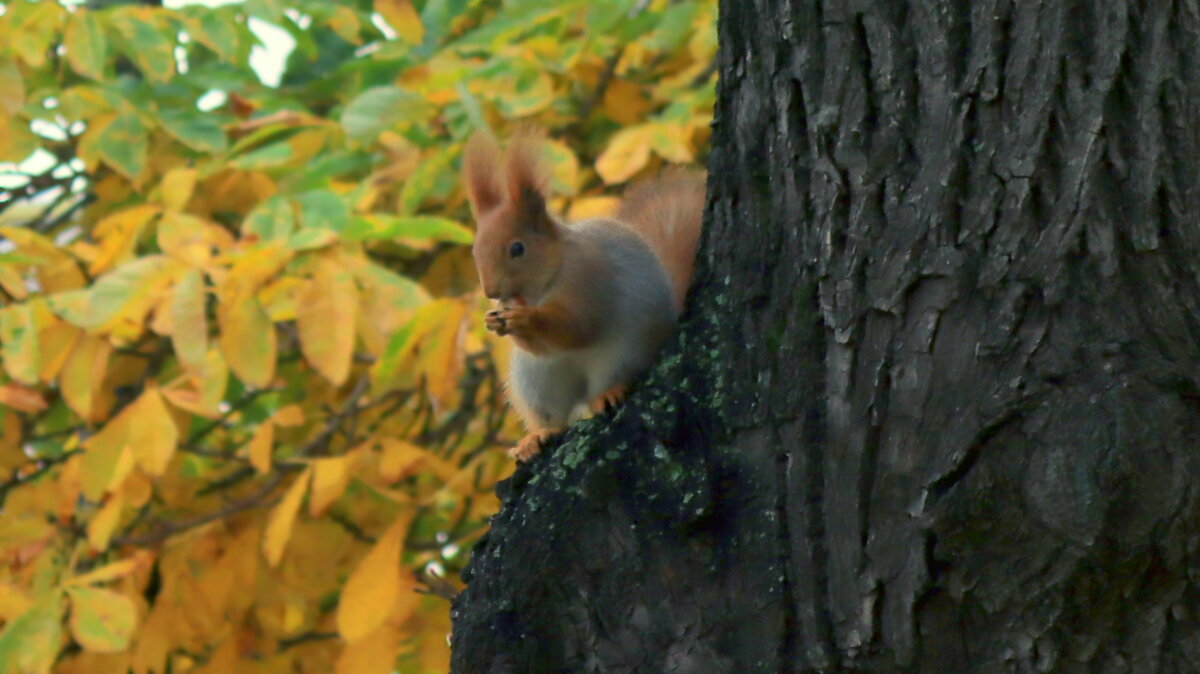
(587, 305)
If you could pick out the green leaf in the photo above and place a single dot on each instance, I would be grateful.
(140, 37)
(19, 342)
(323, 209)
(272, 219)
(270, 156)
(421, 227)
(312, 239)
(218, 30)
(12, 87)
(32, 27)
(87, 48)
(429, 176)
(378, 109)
(30, 643)
(193, 128)
(102, 621)
(122, 144)
(16, 140)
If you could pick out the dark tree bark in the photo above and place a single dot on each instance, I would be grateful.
(936, 402)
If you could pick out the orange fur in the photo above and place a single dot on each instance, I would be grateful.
(668, 211)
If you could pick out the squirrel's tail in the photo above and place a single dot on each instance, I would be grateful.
(668, 211)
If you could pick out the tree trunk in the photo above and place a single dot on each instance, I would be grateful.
(936, 402)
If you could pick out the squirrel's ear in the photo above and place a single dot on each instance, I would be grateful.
(481, 173)
(525, 178)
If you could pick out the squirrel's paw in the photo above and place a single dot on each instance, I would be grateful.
(608, 399)
(494, 322)
(514, 320)
(530, 445)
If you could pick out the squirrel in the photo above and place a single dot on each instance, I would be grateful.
(587, 305)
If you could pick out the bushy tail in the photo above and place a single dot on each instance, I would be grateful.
(668, 212)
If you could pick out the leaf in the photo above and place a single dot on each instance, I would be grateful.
(29, 645)
(87, 48)
(258, 450)
(102, 621)
(17, 142)
(322, 209)
(19, 343)
(329, 481)
(288, 415)
(593, 207)
(176, 188)
(122, 145)
(32, 27)
(12, 88)
(272, 220)
(372, 588)
(412, 227)
(279, 527)
(247, 339)
(399, 458)
(118, 234)
(83, 374)
(380, 108)
(627, 153)
(372, 654)
(325, 320)
(194, 129)
(104, 522)
(312, 239)
(152, 432)
(107, 572)
(400, 15)
(21, 398)
(143, 41)
(189, 335)
(107, 458)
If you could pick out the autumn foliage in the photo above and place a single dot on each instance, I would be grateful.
(249, 418)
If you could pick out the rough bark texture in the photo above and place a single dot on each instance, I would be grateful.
(940, 401)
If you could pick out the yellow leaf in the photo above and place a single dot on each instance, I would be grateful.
(625, 102)
(152, 432)
(154, 640)
(288, 415)
(325, 320)
(258, 450)
(279, 527)
(247, 339)
(177, 186)
(190, 239)
(19, 342)
(106, 573)
(104, 522)
(102, 621)
(329, 481)
(373, 654)
(137, 489)
(441, 355)
(123, 467)
(189, 334)
(593, 207)
(13, 602)
(401, 15)
(672, 142)
(399, 458)
(102, 457)
(117, 234)
(56, 343)
(83, 375)
(69, 486)
(563, 165)
(627, 153)
(373, 586)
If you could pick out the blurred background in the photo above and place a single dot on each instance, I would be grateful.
(250, 420)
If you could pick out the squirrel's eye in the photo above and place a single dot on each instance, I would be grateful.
(517, 249)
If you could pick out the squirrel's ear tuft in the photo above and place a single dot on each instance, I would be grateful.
(481, 173)
(525, 177)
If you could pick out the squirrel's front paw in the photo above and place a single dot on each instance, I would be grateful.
(514, 320)
(494, 323)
